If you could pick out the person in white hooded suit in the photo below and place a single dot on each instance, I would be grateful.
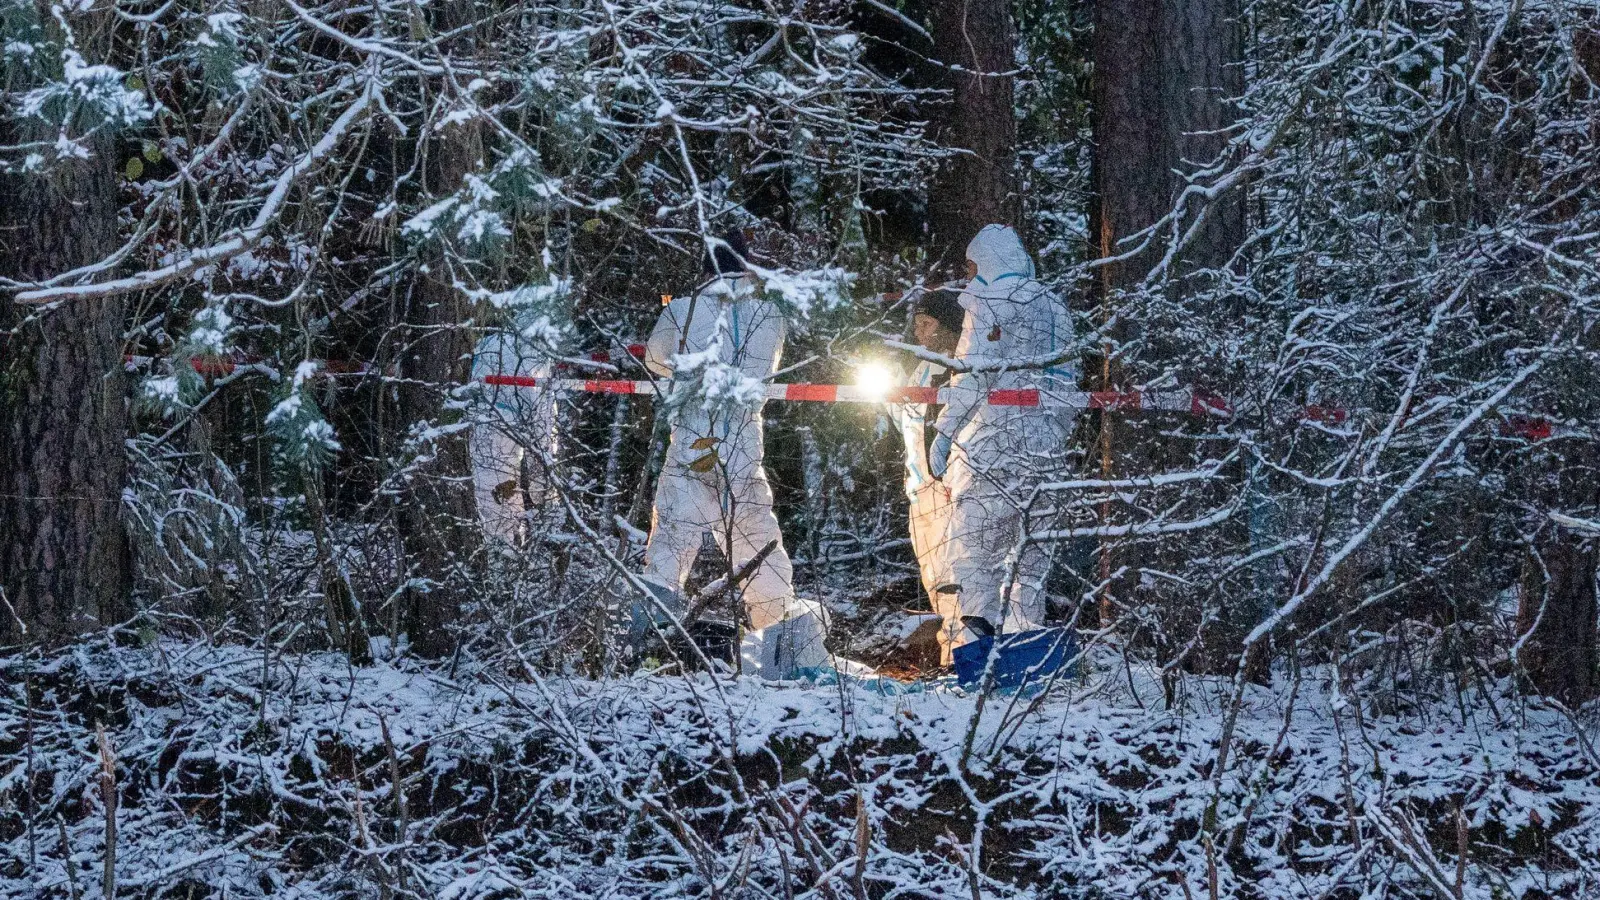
(513, 435)
(713, 480)
(989, 455)
(935, 326)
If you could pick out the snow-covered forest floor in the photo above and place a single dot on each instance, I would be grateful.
(276, 775)
(1315, 403)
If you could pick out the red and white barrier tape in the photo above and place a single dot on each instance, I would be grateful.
(620, 354)
(1196, 403)
(1528, 427)
(1199, 403)
(217, 366)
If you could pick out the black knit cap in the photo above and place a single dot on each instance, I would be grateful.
(944, 306)
(729, 256)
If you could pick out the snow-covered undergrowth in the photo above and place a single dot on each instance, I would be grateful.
(238, 775)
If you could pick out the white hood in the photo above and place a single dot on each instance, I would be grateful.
(998, 253)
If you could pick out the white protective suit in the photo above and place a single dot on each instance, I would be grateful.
(930, 505)
(713, 480)
(998, 450)
(513, 436)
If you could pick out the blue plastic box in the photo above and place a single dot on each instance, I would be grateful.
(1022, 658)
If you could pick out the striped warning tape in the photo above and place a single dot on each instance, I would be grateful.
(632, 351)
(1200, 403)
(217, 366)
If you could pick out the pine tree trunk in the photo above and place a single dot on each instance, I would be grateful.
(438, 516)
(1133, 152)
(1166, 73)
(978, 186)
(1557, 615)
(1203, 74)
(64, 562)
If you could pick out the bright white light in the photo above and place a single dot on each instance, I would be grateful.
(875, 380)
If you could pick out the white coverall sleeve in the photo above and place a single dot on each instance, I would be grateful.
(967, 394)
(912, 420)
(664, 338)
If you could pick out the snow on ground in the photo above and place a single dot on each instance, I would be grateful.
(242, 777)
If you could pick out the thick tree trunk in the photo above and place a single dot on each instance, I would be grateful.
(438, 517)
(1557, 617)
(1166, 73)
(1203, 74)
(976, 39)
(63, 406)
(1133, 152)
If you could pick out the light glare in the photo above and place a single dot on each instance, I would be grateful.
(875, 380)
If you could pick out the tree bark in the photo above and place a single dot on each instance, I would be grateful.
(1203, 74)
(1133, 157)
(978, 186)
(64, 565)
(1557, 612)
(1166, 73)
(1557, 616)
(438, 516)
